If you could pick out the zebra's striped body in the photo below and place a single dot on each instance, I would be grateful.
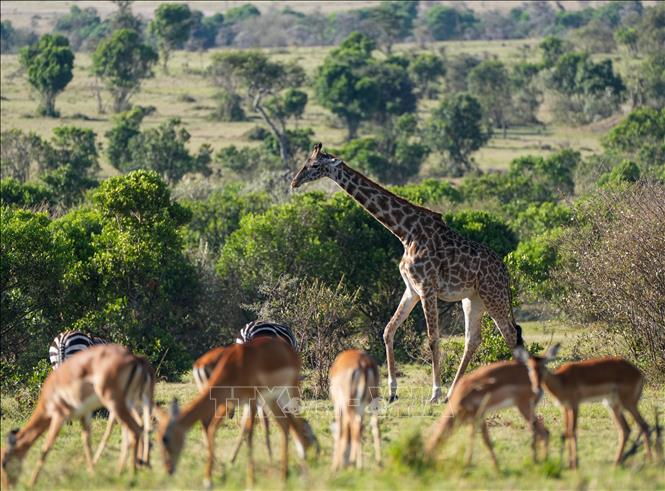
(68, 343)
(256, 329)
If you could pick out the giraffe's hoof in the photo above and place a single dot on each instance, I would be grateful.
(393, 398)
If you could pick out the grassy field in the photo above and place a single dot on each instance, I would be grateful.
(189, 95)
(401, 424)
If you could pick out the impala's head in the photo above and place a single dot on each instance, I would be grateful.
(170, 435)
(319, 164)
(536, 365)
(11, 463)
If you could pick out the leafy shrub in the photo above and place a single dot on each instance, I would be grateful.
(229, 107)
(322, 318)
(492, 349)
(28, 195)
(612, 265)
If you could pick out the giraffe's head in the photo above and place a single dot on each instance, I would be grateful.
(319, 164)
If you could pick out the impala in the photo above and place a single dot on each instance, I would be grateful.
(265, 370)
(489, 388)
(102, 376)
(354, 380)
(202, 369)
(615, 381)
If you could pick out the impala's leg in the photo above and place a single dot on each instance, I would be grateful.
(409, 300)
(283, 423)
(357, 439)
(210, 430)
(488, 443)
(243, 432)
(133, 429)
(567, 435)
(472, 437)
(337, 439)
(249, 430)
(573, 441)
(105, 438)
(346, 437)
(54, 429)
(147, 428)
(266, 426)
(376, 435)
(622, 427)
(473, 312)
(644, 427)
(526, 408)
(85, 436)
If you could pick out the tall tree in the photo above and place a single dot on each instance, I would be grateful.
(356, 87)
(122, 61)
(394, 21)
(171, 25)
(456, 128)
(271, 88)
(49, 66)
(490, 82)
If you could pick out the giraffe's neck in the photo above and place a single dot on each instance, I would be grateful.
(393, 212)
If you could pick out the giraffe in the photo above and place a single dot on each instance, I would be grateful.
(438, 263)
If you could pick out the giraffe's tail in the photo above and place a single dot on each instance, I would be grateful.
(519, 341)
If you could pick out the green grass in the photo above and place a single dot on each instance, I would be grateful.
(401, 426)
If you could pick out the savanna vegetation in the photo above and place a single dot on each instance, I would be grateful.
(145, 164)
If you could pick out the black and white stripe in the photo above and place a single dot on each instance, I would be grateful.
(69, 343)
(263, 328)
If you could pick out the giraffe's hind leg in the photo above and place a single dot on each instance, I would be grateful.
(473, 312)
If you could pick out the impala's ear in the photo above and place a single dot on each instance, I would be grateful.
(520, 354)
(174, 410)
(11, 438)
(552, 352)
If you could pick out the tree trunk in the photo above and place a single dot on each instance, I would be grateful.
(352, 128)
(48, 102)
(280, 134)
(98, 97)
(165, 61)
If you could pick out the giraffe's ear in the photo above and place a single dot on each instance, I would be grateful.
(317, 149)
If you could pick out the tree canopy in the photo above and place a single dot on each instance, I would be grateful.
(49, 67)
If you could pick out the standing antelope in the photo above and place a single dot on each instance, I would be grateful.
(354, 386)
(615, 381)
(264, 371)
(102, 376)
(489, 388)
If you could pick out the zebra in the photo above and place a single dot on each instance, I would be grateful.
(68, 343)
(264, 328)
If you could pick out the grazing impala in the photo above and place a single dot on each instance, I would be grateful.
(613, 380)
(264, 371)
(354, 382)
(102, 376)
(492, 387)
(202, 369)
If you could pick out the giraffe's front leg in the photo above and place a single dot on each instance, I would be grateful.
(409, 300)
(432, 318)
